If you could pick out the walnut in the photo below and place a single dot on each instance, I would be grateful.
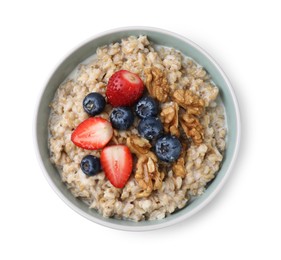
(189, 101)
(189, 121)
(147, 175)
(192, 128)
(179, 166)
(137, 145)
(157, 84)
(117, 137)
(170, 119)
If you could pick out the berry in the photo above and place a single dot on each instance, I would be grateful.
(150, 128)
(124, 88)
(121, 118)
(92, 134)
(94, 103)
(146, 107)
(168, 148)
(90, 165)
(117, 164)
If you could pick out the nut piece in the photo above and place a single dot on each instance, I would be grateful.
(157, 84)
(179, 166)
(189, 121)
(118, 138)
(147, 175)
(189, 101)
(170, 119)
(192, 128)
(137, 145)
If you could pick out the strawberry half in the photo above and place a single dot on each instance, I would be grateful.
(92, 134)
(124, 88)
(117, 164)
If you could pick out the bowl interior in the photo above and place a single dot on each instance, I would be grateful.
(87, 49)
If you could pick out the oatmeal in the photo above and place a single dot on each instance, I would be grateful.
(189, 111)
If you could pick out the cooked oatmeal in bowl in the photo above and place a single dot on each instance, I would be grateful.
(137, 130)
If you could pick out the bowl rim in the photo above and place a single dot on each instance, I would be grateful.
(155, 225)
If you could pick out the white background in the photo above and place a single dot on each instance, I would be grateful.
(242, 222)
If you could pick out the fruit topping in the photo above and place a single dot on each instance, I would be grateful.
(124, 88)
(90, 165)
(92, 134)
(150, 128)
(94, 103)
(121, 118)
(117, 164)
(168, 148)
(146, 107)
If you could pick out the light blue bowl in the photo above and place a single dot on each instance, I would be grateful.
(160, 37)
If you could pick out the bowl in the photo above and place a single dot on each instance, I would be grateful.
(161, 37)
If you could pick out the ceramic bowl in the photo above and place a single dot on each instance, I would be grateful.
(160, 37)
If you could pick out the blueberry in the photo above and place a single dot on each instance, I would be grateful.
(146, 107)
(150, 128)
(90, 165)
(94, 103)
(121, 118)
(168, 148)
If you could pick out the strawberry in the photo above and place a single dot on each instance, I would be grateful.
(124, 88)
(117, 164)
(92, 134)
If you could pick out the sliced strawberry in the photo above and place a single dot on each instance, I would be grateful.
(124, 88)
(117, 164)
(92, 134)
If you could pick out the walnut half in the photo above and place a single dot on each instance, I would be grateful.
(194, 106)
(157, 84)
(147, 174)
(192, 128)
(170, 118)
(189, 101)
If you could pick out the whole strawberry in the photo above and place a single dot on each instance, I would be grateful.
(124, 88)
